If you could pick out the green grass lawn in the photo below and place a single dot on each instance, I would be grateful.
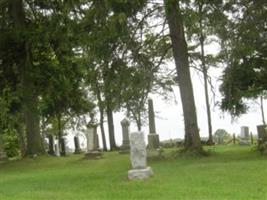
(232, 172)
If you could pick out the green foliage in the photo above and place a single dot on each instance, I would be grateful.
(10, 142)
(221, 136)
(244, 51)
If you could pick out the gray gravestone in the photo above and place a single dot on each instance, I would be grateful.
(57, 152)
(125, 147)
(153, 138)
(51, 140)
(244, 132)
(77, 145)
(138, 157)
(92, 141)
(244, 136)
(262, 133)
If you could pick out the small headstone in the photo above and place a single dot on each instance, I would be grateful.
(153, 138)
(244, 132)
(77, 145)
(244, 136)
(138, 157)
(51, 141)
(125, 147)
(262, 133)
(92, 141)
(57, 153)
(62, 142)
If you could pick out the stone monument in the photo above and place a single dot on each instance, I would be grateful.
(77, 145)
(138, 157)
(153, 138)
(153, 148)
(51, 140)
(262, 133)
(262, 138)
(244, 136)
(92, 140)
(125, 147)
(57, 152)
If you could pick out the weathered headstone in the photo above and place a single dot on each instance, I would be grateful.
(138, 157)
(51, 141)
(125, 147)
(153, 148)
(57, 152)
(262, 133)
(77, 145)
(62, 144)
(262, 138)
(153, 138)
(92, 141)
(244, 136)
(244, 132)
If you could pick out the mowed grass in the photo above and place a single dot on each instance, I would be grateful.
(231, 172)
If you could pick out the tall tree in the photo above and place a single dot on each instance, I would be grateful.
(29, 96)
(180, 54)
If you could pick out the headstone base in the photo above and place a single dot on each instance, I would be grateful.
(244, 142)
(140, 174)
(154, 153)
(93, 155)
(153, 141)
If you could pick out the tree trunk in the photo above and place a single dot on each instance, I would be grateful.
(102, 129)
(180, 54)
(30, 99)
(262, 111)
(111, 128)
(21, 137)
(205, 75)
(59, 127)
(101, 110)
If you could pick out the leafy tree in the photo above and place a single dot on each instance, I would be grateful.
(201, 23)
(221, 136)
(43, 62)
(244, 51)
(180, 54)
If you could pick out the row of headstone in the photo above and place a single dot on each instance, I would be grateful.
(246, 138)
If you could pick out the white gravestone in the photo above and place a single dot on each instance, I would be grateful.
(92, 142)
(57, 152)
(138, 157)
